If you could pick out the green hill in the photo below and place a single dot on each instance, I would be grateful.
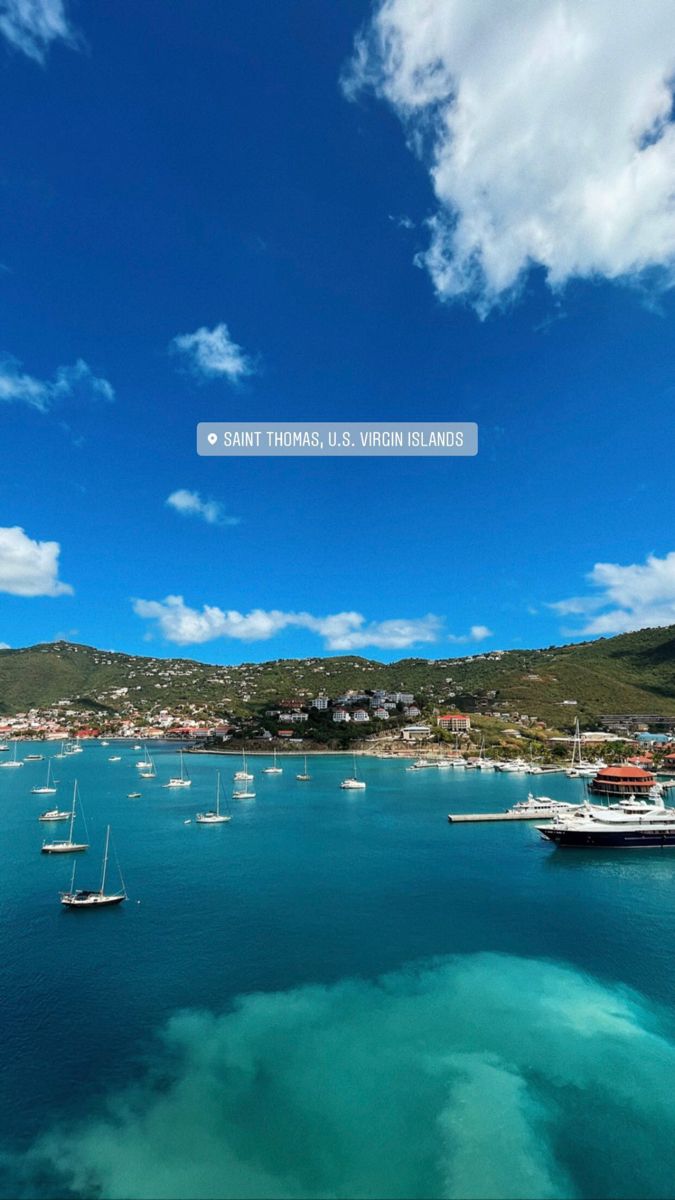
(631, 673)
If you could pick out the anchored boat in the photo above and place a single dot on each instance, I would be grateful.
(100, 899)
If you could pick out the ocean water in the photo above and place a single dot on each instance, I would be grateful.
(335, 994)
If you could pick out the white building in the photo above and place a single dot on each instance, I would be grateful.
(339, 714)
(360, 714)
(415, 733)
(321, 703)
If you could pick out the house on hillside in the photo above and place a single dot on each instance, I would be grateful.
(454, 722)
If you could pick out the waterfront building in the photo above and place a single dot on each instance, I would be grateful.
(625, 780)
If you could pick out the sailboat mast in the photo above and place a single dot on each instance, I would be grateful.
(218, 794)
(105, 859)
(72, 815)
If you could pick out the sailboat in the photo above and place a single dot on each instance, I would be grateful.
(243, 774)
(99, 899)
(62, 751)
(13, 762)
(3, 747)
(275, 770)
(48, 789)
(146, 762)
(182, 780)
(213, 817)
(67, 846)
(304, 777)
(244, 791)
(354, 783)
(151, 772)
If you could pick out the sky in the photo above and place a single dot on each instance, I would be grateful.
(412, 210)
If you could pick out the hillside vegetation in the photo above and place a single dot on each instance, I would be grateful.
(634, 672)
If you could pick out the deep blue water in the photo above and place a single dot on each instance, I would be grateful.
(307, 884)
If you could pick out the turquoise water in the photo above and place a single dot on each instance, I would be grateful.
(335, 994)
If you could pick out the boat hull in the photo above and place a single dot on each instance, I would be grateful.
(74, 900)
(65, 848)
(610, 839)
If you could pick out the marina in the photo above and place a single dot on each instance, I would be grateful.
(208, 917)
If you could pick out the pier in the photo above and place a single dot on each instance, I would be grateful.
(464, 818)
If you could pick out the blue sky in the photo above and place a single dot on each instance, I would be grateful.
(359, 235)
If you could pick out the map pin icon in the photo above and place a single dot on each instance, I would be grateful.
(212, 438)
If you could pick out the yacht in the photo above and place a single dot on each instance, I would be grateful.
(421, 764)
(67, 845)
(649, 827)
(115, 758)
(33, 757)
(133, 795)
(275, 770)
(12, 762)
(182, 780)
(47, 789)
(214, 816)
(514, 766)
(3, 747)
(54, 814)
(541, 806)
(100, 899)
(353, 784)
(304, 776)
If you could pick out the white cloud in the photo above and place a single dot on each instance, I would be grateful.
(190, 504)
(68, 382)
(29, 568)
(638, 596)
(179, 623)
(477, 633)
(5, 646)
(546, 130)
(32, 25)
(211, 354)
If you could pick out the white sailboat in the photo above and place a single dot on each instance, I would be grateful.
(100, 899)
(353, 783)
(3, 747)
(13, 762)
(275, 770)
(213, 817)
(48, 788)
(182, 780)
(145, 763)
(244, 791)
(244, 773)
(62, 751)
(304, 777)
(67, 845)
(151, 772)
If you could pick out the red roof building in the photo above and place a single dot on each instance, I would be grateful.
(455, 722)
(625, 780)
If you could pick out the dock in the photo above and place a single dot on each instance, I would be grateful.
(463, 818)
